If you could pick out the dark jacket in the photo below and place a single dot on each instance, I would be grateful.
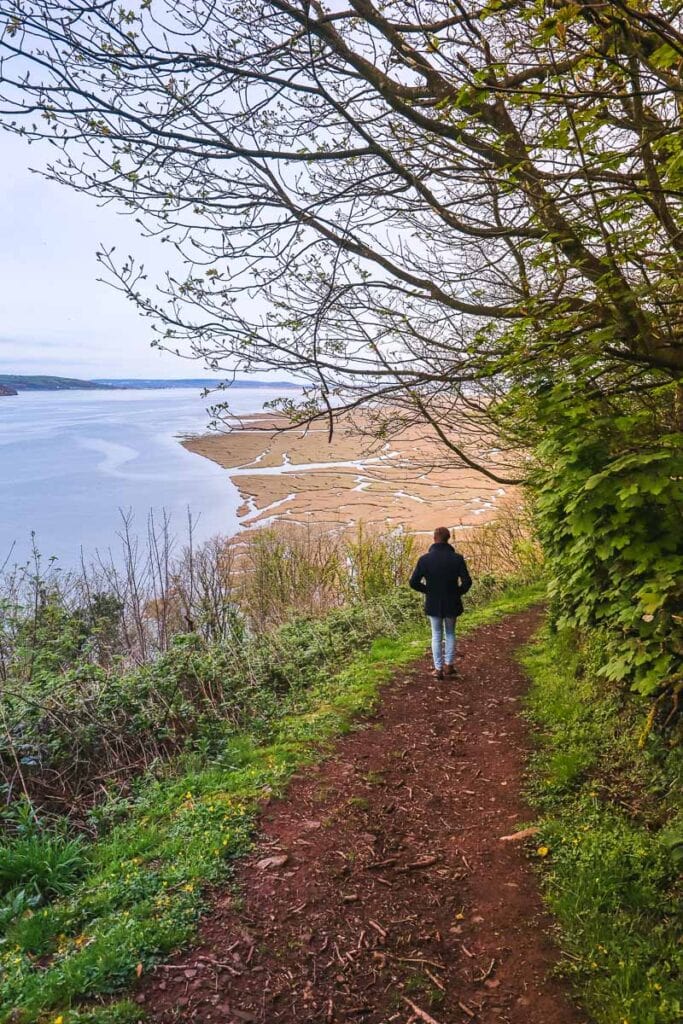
(445, 578)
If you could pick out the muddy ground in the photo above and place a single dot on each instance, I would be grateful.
(380, 889)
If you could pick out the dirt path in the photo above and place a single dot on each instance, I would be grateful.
(380, 890)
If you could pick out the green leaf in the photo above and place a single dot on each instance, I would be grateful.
(664, 57)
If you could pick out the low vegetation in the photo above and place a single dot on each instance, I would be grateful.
(114, 670)
(135, 753)
(147, 714)
(611, 838)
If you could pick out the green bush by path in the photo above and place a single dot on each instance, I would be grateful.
(92, 728)
(609, 508)
(143, 887)
(612, 827)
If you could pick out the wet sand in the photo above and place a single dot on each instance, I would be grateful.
(298, 476)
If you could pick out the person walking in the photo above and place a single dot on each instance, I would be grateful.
(441, 575)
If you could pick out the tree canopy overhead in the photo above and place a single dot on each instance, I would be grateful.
(404, 199)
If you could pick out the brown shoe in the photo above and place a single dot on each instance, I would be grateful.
(450, 670)
(437, 673)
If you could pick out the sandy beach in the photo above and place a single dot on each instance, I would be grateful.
(299, 476)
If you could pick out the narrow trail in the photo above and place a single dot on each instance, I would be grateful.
(379, 890)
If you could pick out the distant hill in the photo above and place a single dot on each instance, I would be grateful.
(190, 382)
(12, 383)
(19, 382)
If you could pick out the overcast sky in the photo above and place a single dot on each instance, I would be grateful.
(55, 317)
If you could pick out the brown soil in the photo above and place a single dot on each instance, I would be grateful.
(380, 890)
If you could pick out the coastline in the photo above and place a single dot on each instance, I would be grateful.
(298, 476)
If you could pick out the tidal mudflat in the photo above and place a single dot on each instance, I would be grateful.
(301, 476)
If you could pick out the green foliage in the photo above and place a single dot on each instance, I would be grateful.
(611, 819)
(294, 572)
(143, 883)
(45, 864)
(610, 508)
(37, 863)
(50, 640)
(375, 568)
(92, 725)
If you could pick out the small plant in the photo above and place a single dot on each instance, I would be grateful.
(46, 865)
(374, 779)
(420, 985)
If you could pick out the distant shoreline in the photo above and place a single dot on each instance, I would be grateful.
(12, 384)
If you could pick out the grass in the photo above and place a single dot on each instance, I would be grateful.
(44, 864)
(143, 885)
(612, 824)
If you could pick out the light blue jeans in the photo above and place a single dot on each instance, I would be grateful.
(439, 627)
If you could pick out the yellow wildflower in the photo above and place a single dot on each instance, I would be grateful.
(543, 851)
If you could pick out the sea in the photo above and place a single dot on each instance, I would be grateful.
(72, 463)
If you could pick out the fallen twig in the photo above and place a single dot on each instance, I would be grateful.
(205, 960)
(220, 963)
(437, 981)
(296, 910)
(487, 973)
(517, 837)
(423, 862)
(422, 1014)
(417, 960)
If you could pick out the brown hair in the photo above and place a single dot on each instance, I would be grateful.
(442, 535)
